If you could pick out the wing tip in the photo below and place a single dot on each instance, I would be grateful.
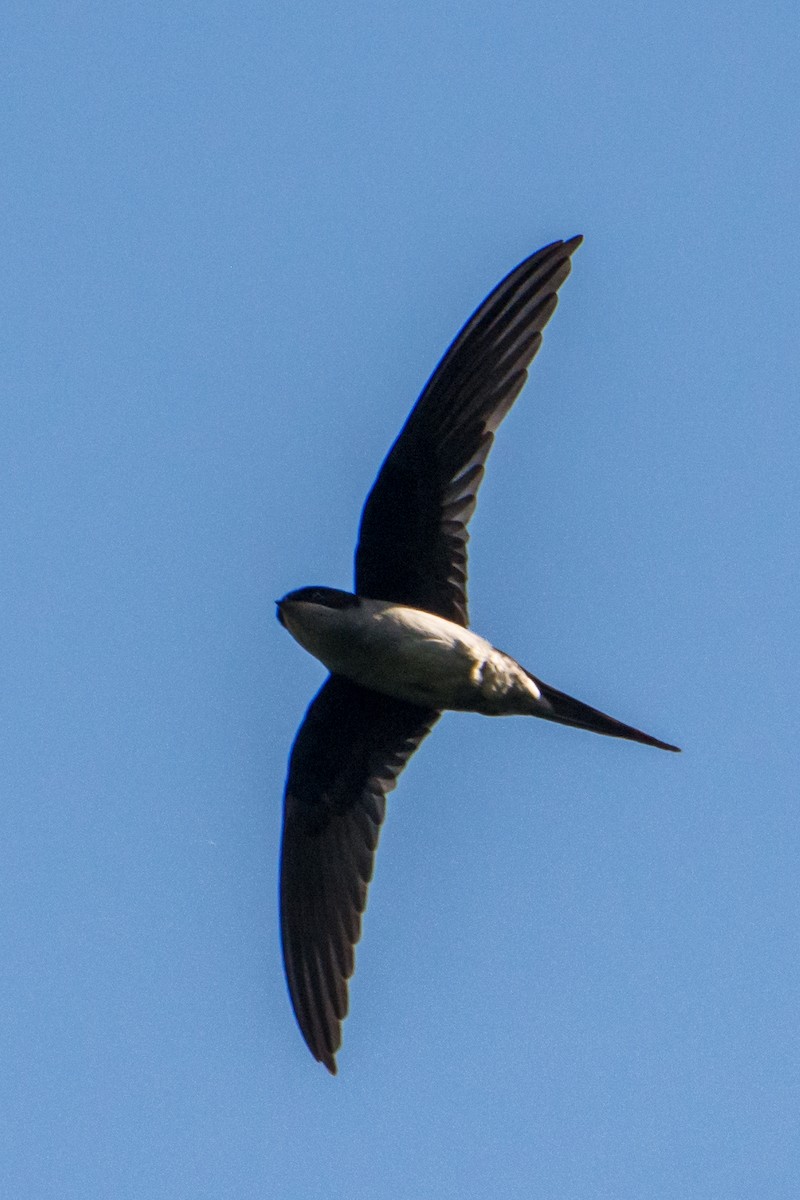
(328, 1061)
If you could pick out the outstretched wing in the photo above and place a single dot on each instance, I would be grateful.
(412, 545)
(349, 750)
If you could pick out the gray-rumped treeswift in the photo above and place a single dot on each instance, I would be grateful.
(399, 649)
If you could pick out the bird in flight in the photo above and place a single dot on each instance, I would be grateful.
(399, 649)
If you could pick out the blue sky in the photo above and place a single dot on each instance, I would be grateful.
(237, 240)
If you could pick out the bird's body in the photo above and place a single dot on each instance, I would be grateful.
(411, 655)
(399, 649)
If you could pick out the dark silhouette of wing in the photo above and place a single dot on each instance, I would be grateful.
(349, 750)
(412, 545)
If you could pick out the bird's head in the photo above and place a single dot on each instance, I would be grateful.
(324, 597)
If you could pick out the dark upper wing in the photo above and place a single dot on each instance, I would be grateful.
(349, 750)
(413, 536)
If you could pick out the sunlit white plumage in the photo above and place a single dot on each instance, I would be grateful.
(412, 655)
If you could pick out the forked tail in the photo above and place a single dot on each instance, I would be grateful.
(556, 706)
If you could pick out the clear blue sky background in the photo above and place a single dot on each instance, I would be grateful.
(237, 237)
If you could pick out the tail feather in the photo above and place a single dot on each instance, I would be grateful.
(557, 706)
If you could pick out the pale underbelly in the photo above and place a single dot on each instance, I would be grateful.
(463, 675)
